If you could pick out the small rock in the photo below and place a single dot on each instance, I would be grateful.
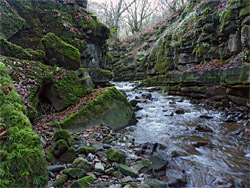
(116, 156)
(109, 171)
(101, 154)
(98, 146)
(203, 128)
(83, 164)
(43, 142)
(75, 172)
(90, 157)
(61, 180)
(155, 183)
(147, 96)
(51, 174)
(117, 174)
(115, 186)
(56, 168)
(127, 179)
(86, 150)
(133, 103)
(99, 167)
(200, 143)
(127, 170)
(172, 102)
(83, 182)
(176, 183)
(205, 116)
(180, 111)
(158, 162)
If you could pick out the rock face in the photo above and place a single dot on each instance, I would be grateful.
(111, 108)
(189, 43)
(26, 22)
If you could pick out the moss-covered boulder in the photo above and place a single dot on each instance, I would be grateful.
(111, 108)
(12, 50)
(83, 164)
(23, 164)
(83, 182)
(99, 75)
(116, 156)
(60, 53)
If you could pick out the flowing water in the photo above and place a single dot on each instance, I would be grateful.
(222, 162)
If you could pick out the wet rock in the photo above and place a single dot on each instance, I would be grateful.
(237, 132)
(101, 154)
(75, 172)
(230, 118)
(83, 164)
(127, 179)
(205, 116)
(175, 154)
(203, 128)
(137, 108)
(90, 157)
(133, 103)
(61, 180)
(147, 96)
(241, 108)
(180, 100)
(115, 186)
(106, 146)
(116, 156)
(172, 102)
(158, 162)
(83, 182)
(142, 166)
(180, 111)
(56, 168)
(99, 167)
(175, 182)
(125, 170)
(200, 143)
(155, 183)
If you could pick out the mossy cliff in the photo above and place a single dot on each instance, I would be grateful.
(26, 22)
(22, 164)
(200, 33)
(111, 108)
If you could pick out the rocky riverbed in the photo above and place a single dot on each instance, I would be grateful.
(174, 144)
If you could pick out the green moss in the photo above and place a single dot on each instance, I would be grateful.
(63, 134)
(75, 172)
(245, 11)
(24, 165)
(12, 50)
(116, 156)
(50, 157)
(10, 21)
(70, 88)
(61, 180)
(86, 150)
(117, 174)
(51, 41)
(60, 145)
(83, 182)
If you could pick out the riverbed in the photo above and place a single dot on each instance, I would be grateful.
(200, 147)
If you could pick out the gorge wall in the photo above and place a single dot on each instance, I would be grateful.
(202, 51)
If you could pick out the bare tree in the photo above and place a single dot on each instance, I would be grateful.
(113, 11)
(139, 13)
(171, 5)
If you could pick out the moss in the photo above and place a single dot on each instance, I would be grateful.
(83, 182)
(51, 41)
(245, 11)
(70, 88)
(86, 150)
(117, 174)
(24, 165)
(12, 50)
(10, 20)
(61, 180)
(60, 145)
(75, 172)
(63, 134)
(50, 157)
(99, 111)
(116, 156)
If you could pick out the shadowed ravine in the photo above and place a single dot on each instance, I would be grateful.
(207, 159)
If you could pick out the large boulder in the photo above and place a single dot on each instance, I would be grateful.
(111, 108)
(60, 53)
(99, 75)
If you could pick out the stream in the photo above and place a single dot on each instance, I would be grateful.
(205, 159)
